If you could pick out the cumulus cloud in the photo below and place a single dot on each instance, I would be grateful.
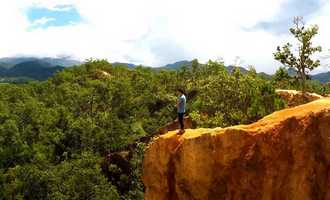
(62, 8)
(42, 21)
(155, 32)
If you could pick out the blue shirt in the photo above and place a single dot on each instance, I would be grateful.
(182, 104)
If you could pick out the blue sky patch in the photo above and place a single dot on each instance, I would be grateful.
(62, 15)
(283, 21)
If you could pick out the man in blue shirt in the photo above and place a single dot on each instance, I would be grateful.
(181, 106)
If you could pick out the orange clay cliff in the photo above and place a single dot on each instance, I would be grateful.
(284, 156)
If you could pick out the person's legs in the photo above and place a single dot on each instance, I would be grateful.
(180, 116)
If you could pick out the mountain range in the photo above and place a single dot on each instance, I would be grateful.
(322, 77)
(22, 69)
(9, 62)
(43, 68)
(32, 69)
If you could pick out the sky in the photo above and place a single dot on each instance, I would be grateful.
(158, 32)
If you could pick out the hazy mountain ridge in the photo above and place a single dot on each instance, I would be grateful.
(129, 65)
(23, 69)
(9, 62)
(34, 69)
(42, 68)
(177, 65)
(322, 77)
(37, 69)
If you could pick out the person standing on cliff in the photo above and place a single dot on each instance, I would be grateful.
(181, 107)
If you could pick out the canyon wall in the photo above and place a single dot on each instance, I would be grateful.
(284, 156)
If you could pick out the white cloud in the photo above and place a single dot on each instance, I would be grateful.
(152, 32)
(53, 4)
(63, 8)
(42, 21)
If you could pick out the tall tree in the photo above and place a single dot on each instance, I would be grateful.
(302, 61)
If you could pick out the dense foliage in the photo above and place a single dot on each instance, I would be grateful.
(55, 134)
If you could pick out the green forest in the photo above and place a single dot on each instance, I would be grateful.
(56, 134)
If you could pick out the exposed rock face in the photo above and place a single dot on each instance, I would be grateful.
(284, 156)
(295, 98)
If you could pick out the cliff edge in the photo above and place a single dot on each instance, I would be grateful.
(285, 155)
